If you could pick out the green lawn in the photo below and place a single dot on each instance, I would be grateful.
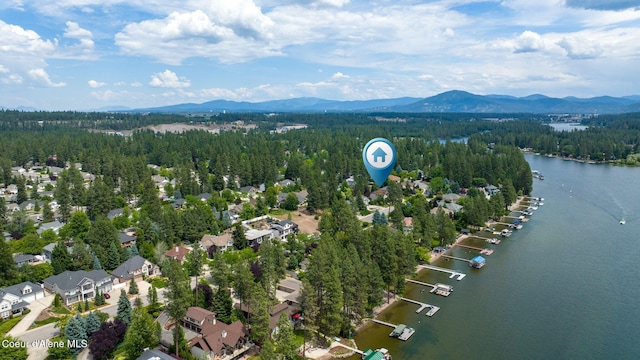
(60, 310)
(45, 322)
(159, 283)
(299, 337)
(7, 325)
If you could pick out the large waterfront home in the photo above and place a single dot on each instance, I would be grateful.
(74, 286)
(218, 340)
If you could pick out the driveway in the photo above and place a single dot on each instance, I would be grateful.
(36, 308)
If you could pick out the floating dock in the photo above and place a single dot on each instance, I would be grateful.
(442, 290)
(433, 310)
(452, 272)
(406, 334)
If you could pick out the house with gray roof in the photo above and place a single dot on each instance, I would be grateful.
(15, 298)
(126, 239)
(135, 268)
(113, 213)
(284, 228)
(53, 225)
(23, 259)
(75, 286)
(154, 355)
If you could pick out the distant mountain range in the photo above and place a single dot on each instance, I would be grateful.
(451, 101)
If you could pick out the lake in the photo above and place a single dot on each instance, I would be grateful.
(563, 287)
(568, 126)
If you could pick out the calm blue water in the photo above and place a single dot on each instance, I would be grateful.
(564, 287)
(568, 126)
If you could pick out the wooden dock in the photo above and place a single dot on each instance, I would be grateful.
(452, 272)
(483, 251)
(480, 237)
(455, 258)
(384, 323)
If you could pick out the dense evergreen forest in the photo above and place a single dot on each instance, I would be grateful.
(351, 267)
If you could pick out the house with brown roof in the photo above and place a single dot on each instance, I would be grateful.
(218, 340)
(177, 253)
(222, 242)
(274, 313)
(195, 318)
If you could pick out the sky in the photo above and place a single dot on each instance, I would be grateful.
(94, 54)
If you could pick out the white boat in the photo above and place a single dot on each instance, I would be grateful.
(623, 221)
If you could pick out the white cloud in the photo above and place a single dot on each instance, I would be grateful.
(74, 31)
(95, 84)
(136, 84)
(230, 31)
(41, 76)
(580, 48)
(529, 41)
(339, 75)
(169, 79)
(19, 41)
(12, 79)
(3, 69)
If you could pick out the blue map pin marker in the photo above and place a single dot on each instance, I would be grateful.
(379, 156)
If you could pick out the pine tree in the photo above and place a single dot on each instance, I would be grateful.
(268, 351)
(86, 304)
(7, 265)
(22, 190)
(113, 257)
(63, 196)
(56, 300)
(134, 250)
(47, 213)
(133, 287)
(152, 295)
(76, 331)
(142, 333)
(178, 295)
(124, 308)
(239, 238)
(284, 338)
(93, 323)
(60, 258)
(223, 305)
(260, 316)
(96, 262)
(99, 299)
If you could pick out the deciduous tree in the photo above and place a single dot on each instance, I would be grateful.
(142, 333)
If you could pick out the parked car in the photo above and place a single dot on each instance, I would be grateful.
(107, 296)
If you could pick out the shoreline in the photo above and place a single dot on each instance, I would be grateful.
(433, 257)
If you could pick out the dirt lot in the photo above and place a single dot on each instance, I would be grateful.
(306, 222)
